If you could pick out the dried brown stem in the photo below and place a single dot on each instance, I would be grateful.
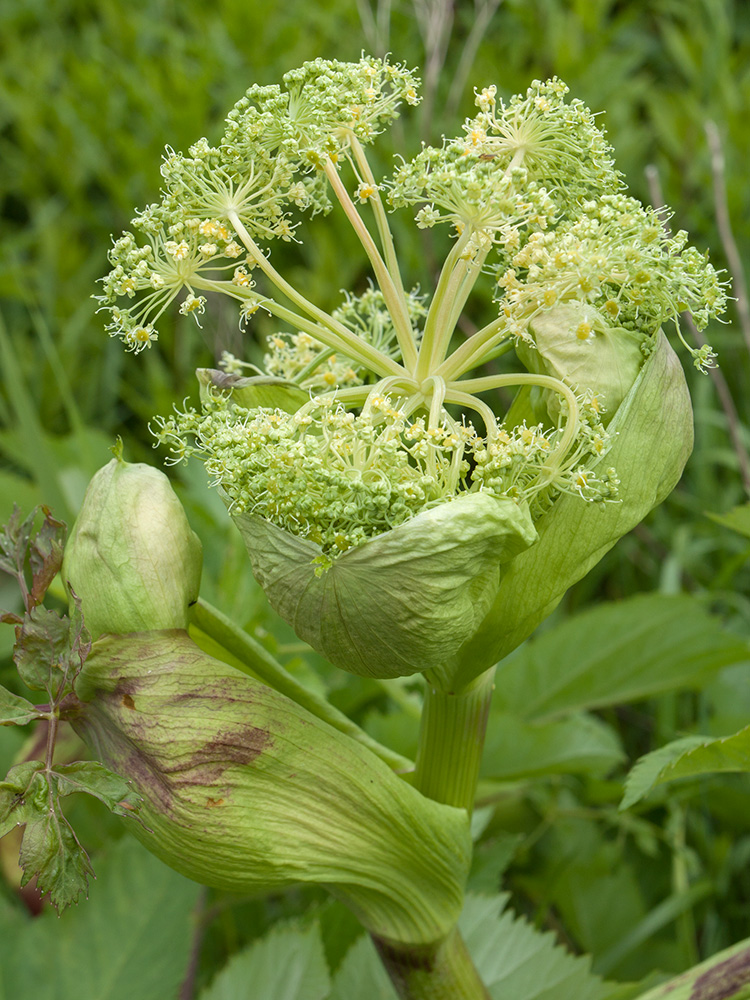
(717, 377)
(724, 225)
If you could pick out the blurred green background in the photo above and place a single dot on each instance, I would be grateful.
(91, 92)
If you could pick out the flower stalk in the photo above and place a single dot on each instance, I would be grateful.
(451, 740)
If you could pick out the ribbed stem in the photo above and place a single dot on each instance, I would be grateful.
(434, 972)
(451, 741)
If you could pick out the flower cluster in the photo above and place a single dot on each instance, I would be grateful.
(322, 106)
(340, 479)
(515, 167)
(168, 262)
(218, 200)
(617, 258)
(558, 142)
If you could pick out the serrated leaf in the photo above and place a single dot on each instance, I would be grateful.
(579, 744)
(22, 795)
(14, 710)
(287, 964)
(687, 758)
(14, 539)
(361, 974)
(131, 938)
(514, 960)
(95, 779)
(50, 851)
(46, 555)
(616, 653)
(50, 650)
(517, 962)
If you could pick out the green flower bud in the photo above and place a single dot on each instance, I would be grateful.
(572, 342)
(403, 602)
(244, 790)
(132, 557)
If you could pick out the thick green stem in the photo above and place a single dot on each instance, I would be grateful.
(451, 741)
(433, 972)
(262, 665)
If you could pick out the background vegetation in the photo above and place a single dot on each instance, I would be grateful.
(89, 95)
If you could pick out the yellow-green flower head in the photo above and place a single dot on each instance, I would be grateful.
(339, 479)
(465, 187)
(323, 104)
(616, 258)
(377, 535)
(558, 142)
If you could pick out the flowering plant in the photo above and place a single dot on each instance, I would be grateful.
(393, 518)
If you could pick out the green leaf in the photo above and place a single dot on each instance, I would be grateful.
(737, 519)
(14, 539)
(15, 711)
(257, 390)
(517, 749)
(46, 555)
(50, 851)
(287, 964)
(687, 758)
(361, 974)
(22, 794)
(403, 601)
(616, 653)
(50, 650)
(131, 938)
(517, 962)
(44, 549)
(95, 779)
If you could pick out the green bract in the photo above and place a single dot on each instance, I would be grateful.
(573, 343)
(398, 604)
(653, 438)
(132, 558)
(244, 790)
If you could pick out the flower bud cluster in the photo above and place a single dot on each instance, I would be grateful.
(322, 104)
(617, 258)
(262, 170)
(340, 479)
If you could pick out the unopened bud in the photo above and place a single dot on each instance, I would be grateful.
(132, 558)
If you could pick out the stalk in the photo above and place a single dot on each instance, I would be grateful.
(353, 345)
(394, 298)
(451, 741)
(442, 972)
(438, 307)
